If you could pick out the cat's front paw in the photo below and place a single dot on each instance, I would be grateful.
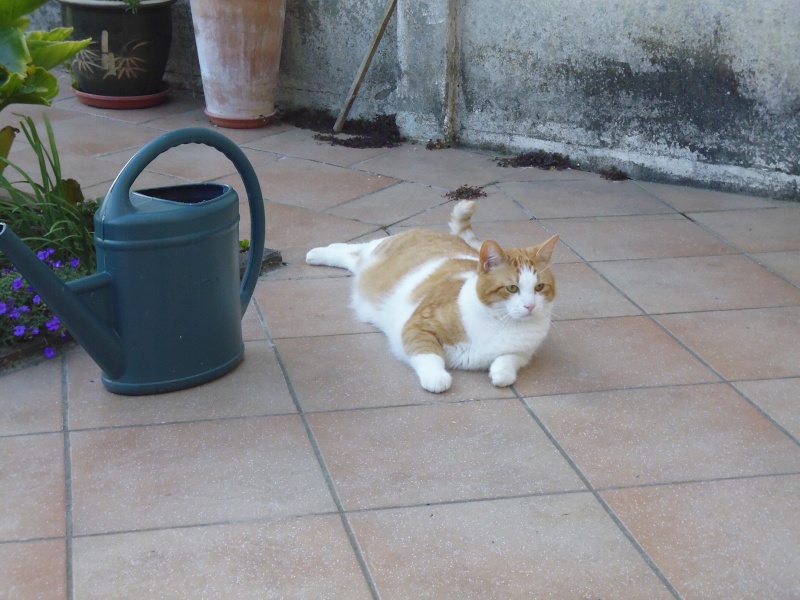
(502, 375)
(316, 256)
(433, 377)
(436, 382)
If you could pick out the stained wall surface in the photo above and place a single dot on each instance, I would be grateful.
(705, 93)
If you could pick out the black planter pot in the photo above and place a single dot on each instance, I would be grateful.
(129, 51)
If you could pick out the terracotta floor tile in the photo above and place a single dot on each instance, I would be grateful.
(293, 227)
(662, 435)
(779, 398)
(393, 204)
(551, 547)
(32, 487)
(695, 199)
(107, 171)
(308, 307)
(196, 163)
(89, 171)
(291, 558)
(196, 117)
(314, 185)
(550, 200)
(743, 344)
(106, 136)
(14, 116)
(719, 540)
(606, 354)
(254, 388)
(252, 329)
(186, 474)
(177, 102)
(650, 236)
(360, 371)
(665, 285)
(438, 453)
(581, 293)
(300, 143)
(33, 570)
(492, 208)
(785, 264)
(446, 169)
(767, 230)
(30, 401)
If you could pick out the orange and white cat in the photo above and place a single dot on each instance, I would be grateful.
(447, 301)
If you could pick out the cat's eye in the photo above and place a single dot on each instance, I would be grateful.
(539, 287)
(512, 288)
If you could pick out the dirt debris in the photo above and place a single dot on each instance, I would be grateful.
(466, 192)
(379, 132)
(614, 174)
(539, 159)
(437, 144)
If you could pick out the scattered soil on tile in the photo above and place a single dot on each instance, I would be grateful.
(614, 174)
(378, 132)
(466, 192)
(437, 144)
(539, 159)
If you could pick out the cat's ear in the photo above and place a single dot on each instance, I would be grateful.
(492, 255)
(544, 252)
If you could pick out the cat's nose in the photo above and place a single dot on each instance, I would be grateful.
(530, 307)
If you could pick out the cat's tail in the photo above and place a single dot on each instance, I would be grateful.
(461, 222)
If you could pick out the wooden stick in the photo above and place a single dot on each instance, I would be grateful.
(362, 70)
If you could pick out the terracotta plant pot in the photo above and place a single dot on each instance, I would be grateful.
(129, 51)
(239, 49)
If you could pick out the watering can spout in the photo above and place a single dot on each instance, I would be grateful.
(78, 304)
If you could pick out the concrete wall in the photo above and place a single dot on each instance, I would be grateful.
(705, 93)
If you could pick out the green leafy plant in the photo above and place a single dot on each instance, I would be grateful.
(27, 57)
(51, 212)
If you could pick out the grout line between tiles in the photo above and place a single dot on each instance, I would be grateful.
(612, 488)
(608, 510)
(172, 527)
(67, 476)
(351, 536)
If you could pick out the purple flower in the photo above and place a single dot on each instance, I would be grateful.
(49, 352)
(13, 314)
(24, 309)
(42, 254)
(56, 264)
(30, 289)
(35, 331)
(53, 324)
(74, 263)
(17, 283)
(3, 308)
(19, 330)
(37, 299)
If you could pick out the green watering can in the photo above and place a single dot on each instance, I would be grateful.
(164, 310)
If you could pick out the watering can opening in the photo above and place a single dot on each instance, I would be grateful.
(186, 194)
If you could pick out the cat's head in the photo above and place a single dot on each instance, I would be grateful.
(517, 282)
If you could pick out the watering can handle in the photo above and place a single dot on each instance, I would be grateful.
(209, 137)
